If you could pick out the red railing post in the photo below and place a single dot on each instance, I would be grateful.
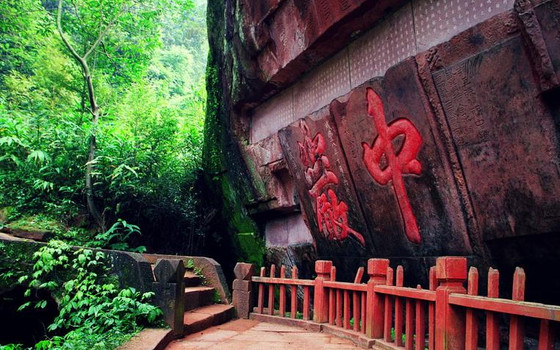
(321, 297)
(375, 305)
(451, 273)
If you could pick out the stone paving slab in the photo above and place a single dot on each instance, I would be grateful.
(250, 334)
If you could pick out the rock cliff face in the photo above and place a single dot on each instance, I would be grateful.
(352, 129)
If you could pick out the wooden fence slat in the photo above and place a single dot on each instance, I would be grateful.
(471, 337)
(306, 302)
(356, 310)
(546, 336)
(332, 298)
(294, 301)
(346, 309)
(492, 326)
(271, 291)
(338, 308)
(432, 311)
(399, 309)
(359, 275)
(516, 322)
(412, 306)
(282, 304)
(388, 316)
(420, 314)
(260, 302)
(363, 297)
(409, 325)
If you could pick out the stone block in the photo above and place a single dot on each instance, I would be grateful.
(242, 303)
(286, 231)
(169, 271)
(242, 285)
(169, 297)
(244, 271)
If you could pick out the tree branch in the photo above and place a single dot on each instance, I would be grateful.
(64, 39)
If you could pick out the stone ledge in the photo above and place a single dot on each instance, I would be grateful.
(149, 339)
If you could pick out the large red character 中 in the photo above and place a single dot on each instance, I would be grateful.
(398, 162)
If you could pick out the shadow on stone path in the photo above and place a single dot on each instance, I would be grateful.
(253, 335)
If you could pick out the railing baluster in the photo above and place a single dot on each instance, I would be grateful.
(363, 308)
(492, 326)
(399, 309)
(339, 308)
(471, 338)
(432, 311)
(388, 317)
(293, 309)
(420, 324)
(260, 303)
(271, 291)
(356, 299)
(332, 293)
(282, 292)
(409, 325)
(516, 322)
(346, 309)
(546, 336)
(356, 310)
(306, 302)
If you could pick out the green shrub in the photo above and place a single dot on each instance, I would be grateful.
(93, 312)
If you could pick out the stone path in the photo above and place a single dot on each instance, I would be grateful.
(254, 335)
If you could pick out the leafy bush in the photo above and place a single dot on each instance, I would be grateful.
(151, 90)
(93, 311)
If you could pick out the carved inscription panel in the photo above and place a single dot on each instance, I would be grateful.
(313, 154)
(506, 139)
(403, 182)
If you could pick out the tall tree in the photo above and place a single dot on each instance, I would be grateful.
(83, 60)
(89, 43)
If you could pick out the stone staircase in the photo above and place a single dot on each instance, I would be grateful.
(200, 310)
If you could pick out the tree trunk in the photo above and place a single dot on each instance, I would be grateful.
(94, 110)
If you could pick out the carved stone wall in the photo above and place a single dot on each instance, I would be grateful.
(403, 129)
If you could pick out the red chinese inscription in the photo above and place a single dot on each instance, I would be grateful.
(396, 163)
(332, 214)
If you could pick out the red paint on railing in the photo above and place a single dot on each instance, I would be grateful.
(452, 321)
(492, 325)
(471, 338)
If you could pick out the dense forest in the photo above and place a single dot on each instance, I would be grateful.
(101, 119)
(102, 106)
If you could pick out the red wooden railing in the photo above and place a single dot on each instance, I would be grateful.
(444, 316)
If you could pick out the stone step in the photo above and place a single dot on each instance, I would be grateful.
(196, 297)
(192, 279)
(206, 317)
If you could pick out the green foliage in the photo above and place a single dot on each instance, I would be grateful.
(149, 84)
(117, 236)
(93, 311)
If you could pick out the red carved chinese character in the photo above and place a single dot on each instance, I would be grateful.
(332, 216)
(399, 162)
(311, 149)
